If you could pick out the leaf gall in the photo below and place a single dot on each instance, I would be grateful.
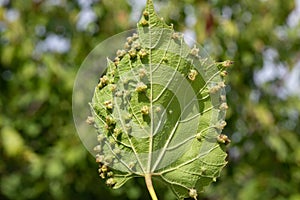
(193, 193)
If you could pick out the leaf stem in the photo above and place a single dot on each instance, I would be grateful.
(150, 186)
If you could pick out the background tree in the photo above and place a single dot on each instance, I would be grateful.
(43, 43)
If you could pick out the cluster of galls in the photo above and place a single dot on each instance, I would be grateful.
(223, 67)
(104, 161)
(133, 48)
(223, 139)
(222, 107)
(215, 89)
(103, 81)
(193, 193)
(145, 19)
(104, 171)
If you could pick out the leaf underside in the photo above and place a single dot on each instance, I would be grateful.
(158, 110)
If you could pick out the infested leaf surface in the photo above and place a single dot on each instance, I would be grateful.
(159, 110)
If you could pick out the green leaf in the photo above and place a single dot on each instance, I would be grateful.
(159, 111)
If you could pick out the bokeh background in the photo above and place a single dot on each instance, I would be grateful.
(44, 42)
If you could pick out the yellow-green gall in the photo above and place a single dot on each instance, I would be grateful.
(194, 51)
(141, 87)
(145, 110)
(135, 36)
(125, 81)
(203, 169)
(129, 40)
(192, 75)
(128, 117)
(223, 98)
(99, 158)
(144, 22)
(97, 148)
(127, 46)
(90, 120)
(158, 109)
(104, 168)
(116, 61)
(142, 72)
(117, 132)
(110, 182)
(127, 94)
(112, 142)
(100, 137)
(223, 106)
(110, 121)
(119, 94)
(113, 87)
(108, 104)
(121, 53)
(143, 53)
(199, 137)
(165, 60)
(110, 174)
(177, 36)
(136, 45)
(223, 139)
(146, 14)
(220, 125)
(221, 84)
(227, 63)
(103, 81)
(193, 193)
(102, 175)
(132, 53)
(217, 87)
(214, 89)
(223, 73)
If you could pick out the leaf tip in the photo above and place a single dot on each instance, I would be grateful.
(150, 18)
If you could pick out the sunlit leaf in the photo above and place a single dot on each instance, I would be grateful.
(159, 111)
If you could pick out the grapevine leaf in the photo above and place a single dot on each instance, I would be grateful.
(159, 111)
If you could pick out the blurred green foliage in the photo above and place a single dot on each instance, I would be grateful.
(41, 155)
